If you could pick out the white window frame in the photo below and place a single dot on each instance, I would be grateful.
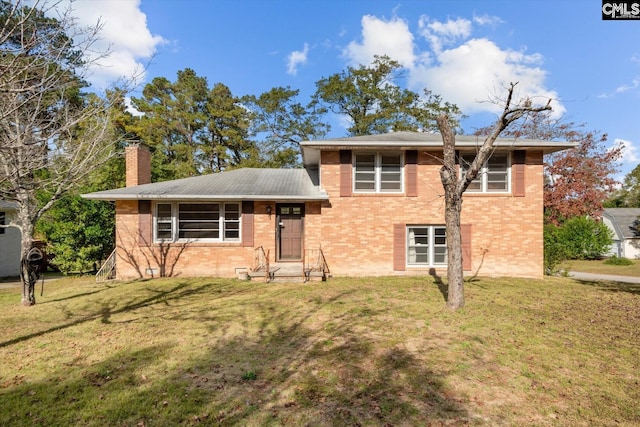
(222, 223)
(377, 187)
(483, 173)
(431, 245)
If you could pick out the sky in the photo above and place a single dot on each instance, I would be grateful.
(465, 51)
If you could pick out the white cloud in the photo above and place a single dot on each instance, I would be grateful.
(124, 33)
(381, 37)
(440, 34)
(630, 153)
(464, 70)
(478, 70)
(487, 20)
(296, 58)
(635, 83)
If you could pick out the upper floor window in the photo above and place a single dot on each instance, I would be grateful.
(377, 172)
(212, 222)
(493, 177)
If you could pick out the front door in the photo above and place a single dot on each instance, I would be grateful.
(290, 232)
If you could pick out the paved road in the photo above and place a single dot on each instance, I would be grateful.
(17, 284)
(591, 276)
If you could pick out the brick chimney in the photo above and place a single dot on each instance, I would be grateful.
(138, 164)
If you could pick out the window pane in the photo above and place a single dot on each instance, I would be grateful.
(440, 245)
(231, 221)
(198, 221)
(163, 212)
(440, 236)
(164, 222)
(465, 162)
(440, 255)
(422, 255)
(497, 174)
(418, 245)
(365, 172)
(390, 172)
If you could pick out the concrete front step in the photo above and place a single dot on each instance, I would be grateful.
(286, 272)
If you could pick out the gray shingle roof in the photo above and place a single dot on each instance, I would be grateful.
(239, 184)
(623, 219)
(421, 140)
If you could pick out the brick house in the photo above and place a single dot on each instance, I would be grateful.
(368, 205)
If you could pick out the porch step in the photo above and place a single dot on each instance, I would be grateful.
(286, 272)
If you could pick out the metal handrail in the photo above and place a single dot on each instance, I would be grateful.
(261, 260)
(314, 260)
(108, 268)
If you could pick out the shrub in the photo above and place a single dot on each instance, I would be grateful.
(584, 238)
(614, 260)
(554, 250)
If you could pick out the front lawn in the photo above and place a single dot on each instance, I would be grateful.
(368, 351)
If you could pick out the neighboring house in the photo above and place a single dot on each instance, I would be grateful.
(626, 240)
(9, 242)
(373, 204)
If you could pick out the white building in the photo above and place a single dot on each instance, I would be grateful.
(623, 222)
(9, 242)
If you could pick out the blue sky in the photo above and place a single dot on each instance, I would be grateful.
(466, 51)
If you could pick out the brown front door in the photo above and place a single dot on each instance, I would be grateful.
(290, 232)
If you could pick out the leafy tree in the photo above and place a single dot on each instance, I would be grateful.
(279, 123)
(628, 195)
(374, 104)
(191, 129)
(174, 123)
(79, 233)
(52, 135)
(584, 238)
(456, 184)
(226, 144)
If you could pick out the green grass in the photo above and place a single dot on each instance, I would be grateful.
(600, 267)
(369, 351)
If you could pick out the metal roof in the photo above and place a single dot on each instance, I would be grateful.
(421, 140)
(239, 184)
(623, 220)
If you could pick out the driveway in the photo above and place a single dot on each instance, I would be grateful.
(605, 277)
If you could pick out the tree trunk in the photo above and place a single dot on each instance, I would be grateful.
(455, 277)
(26, 242)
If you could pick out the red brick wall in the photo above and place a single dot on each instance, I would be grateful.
(506, 232)
(356, 232)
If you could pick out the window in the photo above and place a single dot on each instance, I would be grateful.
(197, 222)
(377, 172)
(426, 245)
(493, 177)
(3, 221)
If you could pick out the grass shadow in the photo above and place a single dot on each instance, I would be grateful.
(310, 366)
(612, 286)
(442, 287)
(105, 310)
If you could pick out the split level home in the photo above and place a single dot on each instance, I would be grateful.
(367, 205)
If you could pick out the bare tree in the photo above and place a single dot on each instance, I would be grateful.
(52, 135)
(455, 185)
